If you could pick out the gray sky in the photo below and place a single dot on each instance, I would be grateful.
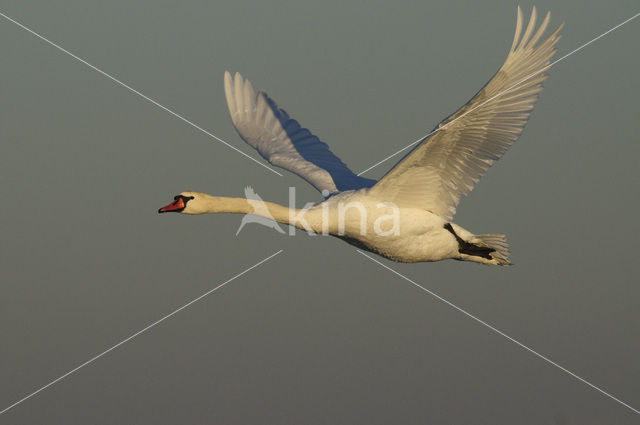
(319, 334)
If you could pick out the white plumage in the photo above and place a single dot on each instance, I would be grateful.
(447, 164)
(283, 142)
(425, 186)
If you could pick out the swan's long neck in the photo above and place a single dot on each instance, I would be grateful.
(208, 204)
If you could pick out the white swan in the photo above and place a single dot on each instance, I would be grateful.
(405, 216)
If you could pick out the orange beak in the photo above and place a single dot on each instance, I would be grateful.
(175, 206)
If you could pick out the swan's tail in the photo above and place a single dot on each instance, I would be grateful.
(486, 249)
(498, 244)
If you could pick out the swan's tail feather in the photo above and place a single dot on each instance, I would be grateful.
(496, 242)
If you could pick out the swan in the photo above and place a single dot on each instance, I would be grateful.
(406, 215)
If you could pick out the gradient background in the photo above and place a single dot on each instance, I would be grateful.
(319, 334)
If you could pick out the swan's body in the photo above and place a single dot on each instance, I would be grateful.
(406, 215)
(421, 235)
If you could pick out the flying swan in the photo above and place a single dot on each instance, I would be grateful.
(406, 215)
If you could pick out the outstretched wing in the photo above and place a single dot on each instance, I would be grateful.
(283, 142)
(449, 162)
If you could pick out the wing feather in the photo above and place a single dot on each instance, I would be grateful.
(448, 163)
(283, 142)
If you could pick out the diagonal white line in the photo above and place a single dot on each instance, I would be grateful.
(95, 68)
(499, 332)
(502, 92)
(139, 332)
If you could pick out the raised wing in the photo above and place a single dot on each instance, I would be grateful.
(283, 142)
(449, 162)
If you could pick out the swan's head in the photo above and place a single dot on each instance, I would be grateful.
(183, 203)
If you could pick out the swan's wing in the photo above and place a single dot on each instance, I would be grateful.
(283, 142)
(446, 165)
